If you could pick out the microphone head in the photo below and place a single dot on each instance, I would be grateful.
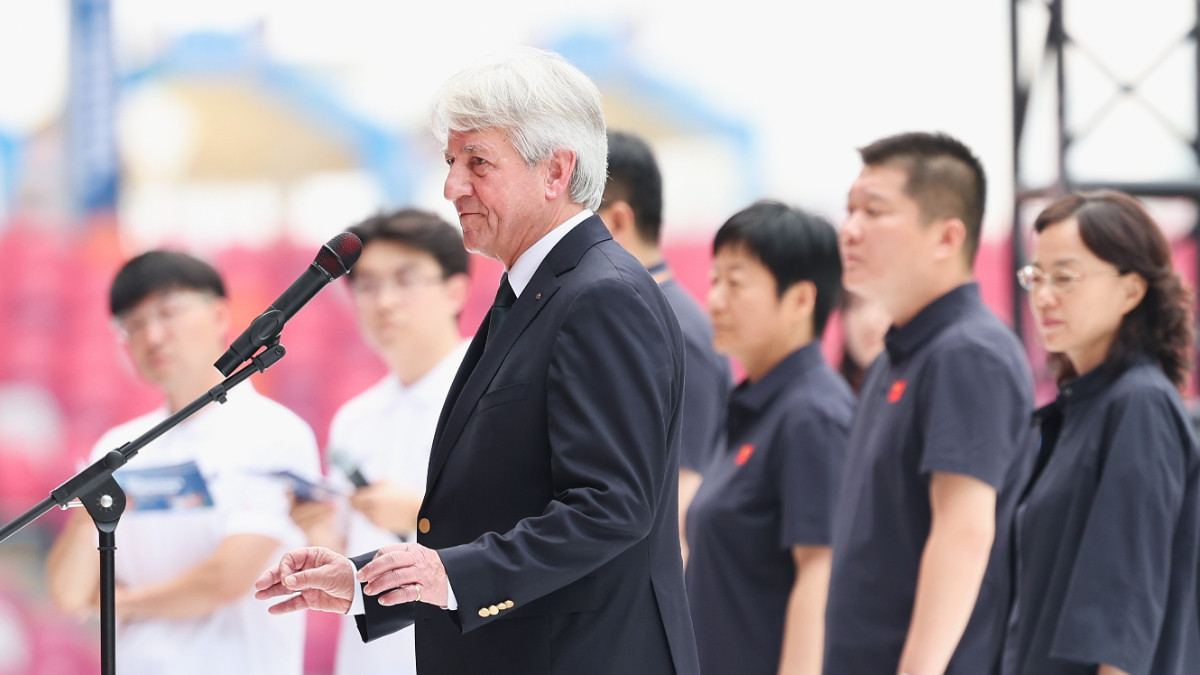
(339, 254)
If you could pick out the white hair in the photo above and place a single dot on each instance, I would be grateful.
(542, 102)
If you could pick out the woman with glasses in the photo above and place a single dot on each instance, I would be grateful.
(1107, 529)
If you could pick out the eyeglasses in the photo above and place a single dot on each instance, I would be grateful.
(165, 309)
(403, 284)
(1061, 281)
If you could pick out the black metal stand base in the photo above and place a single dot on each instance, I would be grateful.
(105, 504)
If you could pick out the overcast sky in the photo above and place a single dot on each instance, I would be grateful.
(813, 80)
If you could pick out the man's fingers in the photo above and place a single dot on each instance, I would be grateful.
(272, 591)
(399, 596)
(267, 579)
(393, 579)
(323, 578)
(385, 560)
(295, 603)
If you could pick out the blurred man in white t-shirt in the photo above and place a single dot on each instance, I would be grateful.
(186, 560)
(409, 286)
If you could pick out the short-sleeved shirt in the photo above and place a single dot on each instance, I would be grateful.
(773, 489)
(236, 447)
(706, 379)
(951, 393)
(1106, 535)
(387, 431)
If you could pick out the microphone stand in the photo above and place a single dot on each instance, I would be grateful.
(104, 500)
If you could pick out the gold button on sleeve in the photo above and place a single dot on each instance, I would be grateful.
(484, 613)
(493, 610)
(508, 604)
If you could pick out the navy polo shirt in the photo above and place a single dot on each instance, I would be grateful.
(1106, 535)
(706, 381)
(950, 393)
(773, 489)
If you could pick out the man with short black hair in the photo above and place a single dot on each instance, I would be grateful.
(632, 211)
(941, 439)
(185, 566)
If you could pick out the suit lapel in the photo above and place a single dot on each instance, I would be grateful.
(480, 364)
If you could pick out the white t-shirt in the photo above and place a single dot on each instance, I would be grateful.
(235, 446)
(387, 431)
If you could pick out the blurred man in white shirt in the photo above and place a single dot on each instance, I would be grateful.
(409, 286)
(185, 568)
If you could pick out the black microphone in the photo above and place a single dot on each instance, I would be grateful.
(346, 463)
(335, 258)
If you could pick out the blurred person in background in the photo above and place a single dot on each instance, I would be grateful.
(186, 563)
(864, 324)
(632, 211)
(1106, 533)
(941, 440)
(409, 286)
(760, 523)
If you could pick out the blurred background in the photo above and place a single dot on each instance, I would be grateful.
(251, 131)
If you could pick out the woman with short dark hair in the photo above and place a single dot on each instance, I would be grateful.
(1107, 529)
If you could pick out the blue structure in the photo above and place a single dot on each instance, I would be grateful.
(390, 157)
(605, 59)
(9, 151)
(92, 110)
(222, 55)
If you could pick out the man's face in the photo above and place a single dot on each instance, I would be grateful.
(175, 336)
(400, 295)
(500, 200)
(883, 242)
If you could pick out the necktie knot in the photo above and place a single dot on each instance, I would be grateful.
(505, 298)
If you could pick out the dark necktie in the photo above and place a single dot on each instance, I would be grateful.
(505, 297)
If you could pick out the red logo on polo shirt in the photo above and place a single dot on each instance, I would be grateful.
(896, 391)
(743, 455)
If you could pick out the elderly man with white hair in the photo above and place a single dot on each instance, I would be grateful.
(548, 540)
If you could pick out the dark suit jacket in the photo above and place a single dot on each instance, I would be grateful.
(553, 482)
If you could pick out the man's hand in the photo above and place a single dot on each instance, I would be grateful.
(389, 506)
(323, 579)
(409, 571)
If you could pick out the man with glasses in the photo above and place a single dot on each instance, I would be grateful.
(187, 559)
(409, 286)
(941, 440)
